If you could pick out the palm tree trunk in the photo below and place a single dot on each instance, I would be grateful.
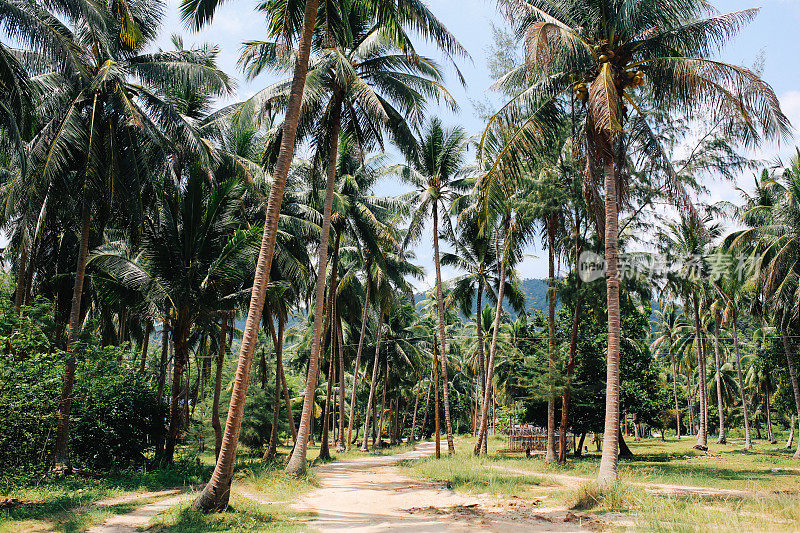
(747, 442)
(721, 439)
(573, 350)
(216, 493)
(427, 405)
(768, 414)
(451, 449)
(790, 440)
(414, 412)
(383, 402)
(793, 377)
(297, 462)
(702, 433)
(371, 399)
(21, 274)
(286, 399)
(340, 444)
(61, 453)
(675, 396)
(550, 453)
(215, 422)
(272, 449)
(487, 398)
(357, 365)
(437, 425)
(180, 359)
(481, 377)
(609, 461)
(324, 449)
(145, 345)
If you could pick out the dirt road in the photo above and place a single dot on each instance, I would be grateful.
(370, 494)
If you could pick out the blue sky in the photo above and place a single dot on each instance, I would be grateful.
(773, 33)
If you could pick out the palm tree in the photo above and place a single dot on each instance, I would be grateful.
(669, 341)
(104, 102)
(605, 53)
(434, 169)
(686, 243)
(507, 212)
(192, 259)
(472, 254)
(773, 242)
(283, 30)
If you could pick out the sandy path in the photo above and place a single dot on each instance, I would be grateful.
(139, 518)
(369, 494)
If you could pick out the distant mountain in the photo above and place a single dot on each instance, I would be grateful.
(535, 297)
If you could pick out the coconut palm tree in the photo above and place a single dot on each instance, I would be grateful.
(435, 169)
(192, 261)
(669, 340)
(686, 243)
(104, 103)
(617, 57)
(472, 254)
(772, 240)
(361, 84)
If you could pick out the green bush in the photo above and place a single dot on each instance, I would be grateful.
(115, 413)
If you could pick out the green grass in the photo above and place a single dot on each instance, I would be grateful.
(472, 474)
(62, 504)
(242, 515)
(767, 469)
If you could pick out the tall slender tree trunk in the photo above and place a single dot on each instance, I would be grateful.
(383, 402)
(487, 398)
(414, 413)
(690, 401)
(216, 493)
(427, 405)
(372, 384)
(162, 365)
(21, 273)
(451, 449)
(480, 378)
(573, 350)
(272, 449)
(609, 461)
(768, 414)
(61, 453)
(702, 433)
(29, 271)
(793, 378)
(721, 439)
(550, 453)
(145, 345)
(215, 421)
(437, 426)
(357, 365)
(790, 440)
(286, 399)
(324, 449)
(675, 396)
(180, 360)
(340, 444)
(297, 462)
(747, 442)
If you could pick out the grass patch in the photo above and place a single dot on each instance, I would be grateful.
(472, 474)
(619, 497)
(72, 519)
(63, 503)
(242, 515)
